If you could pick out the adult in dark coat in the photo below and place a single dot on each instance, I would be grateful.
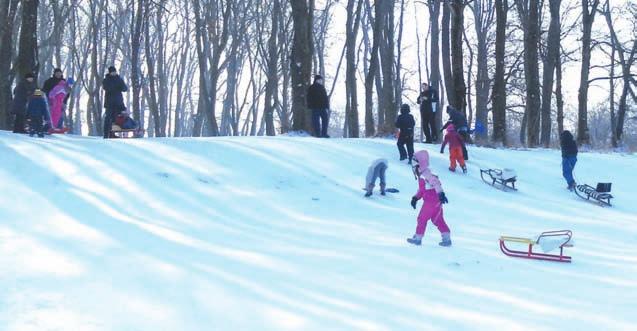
(21, 95)
(113, 86)
(459, 121)
(405, 124)
(319, 103)
(569, 157)
(50, 83)
(428, 101)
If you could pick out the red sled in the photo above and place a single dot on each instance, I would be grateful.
(567, 235)
(59, 131)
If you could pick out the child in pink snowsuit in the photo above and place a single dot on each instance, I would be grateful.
(56, 102)
(430, 191)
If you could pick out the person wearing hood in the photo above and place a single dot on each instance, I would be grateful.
(405, 125)
(430, 191)
(459, 121)
(57, 95)
(569, 157)
(113, 86)
(428, 101)
(455, 149)
(318, 102)
(21, 94)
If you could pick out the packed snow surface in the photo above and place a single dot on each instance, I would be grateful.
(275, 234)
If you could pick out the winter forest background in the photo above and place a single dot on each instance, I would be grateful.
(527, 69)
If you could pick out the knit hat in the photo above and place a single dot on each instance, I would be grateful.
(56, 70)
(451, 128)
(70, 81)
(111, 69)
(317, 77)
(404, 108)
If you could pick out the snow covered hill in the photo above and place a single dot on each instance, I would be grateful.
(274, 234)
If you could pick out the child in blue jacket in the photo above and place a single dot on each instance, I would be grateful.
(37, 113)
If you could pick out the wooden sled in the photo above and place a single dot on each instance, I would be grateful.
(530, 254)
(500, 179)
(600, 195)
(117, 131)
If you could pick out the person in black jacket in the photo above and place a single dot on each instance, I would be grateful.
(113, 86)
(569, 157)
(319, 103)
(50, 83)
(405, 124)
(459, 121)
(428, 101)
(21, 95)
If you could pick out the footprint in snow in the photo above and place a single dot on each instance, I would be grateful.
(162, 174)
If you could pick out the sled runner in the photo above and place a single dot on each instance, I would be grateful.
(601, 194)
(124, 133)
(500, 179)
(547, 240)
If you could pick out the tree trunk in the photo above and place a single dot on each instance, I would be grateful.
(352, 26)
(529, 13)
(552, 56)
(272, 69)
(588, 16)
(499, 83)
(8, 10)
(301, 64)
(457, 66)
(387, 109)
(28, 48)
(559, 97)
(446, 53)
(434, 54)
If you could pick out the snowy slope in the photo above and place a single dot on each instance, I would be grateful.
(274, 234)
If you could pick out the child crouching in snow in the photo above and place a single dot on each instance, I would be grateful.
(455, 148)
(376, 170)
(433, 198)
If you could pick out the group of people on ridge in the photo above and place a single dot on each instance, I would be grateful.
(43, 109)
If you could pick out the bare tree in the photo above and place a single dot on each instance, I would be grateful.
(529, 13)
(550, 63)
(352, 26)
(301, 61)
(499, 95)
(8, 11)
(589, 8)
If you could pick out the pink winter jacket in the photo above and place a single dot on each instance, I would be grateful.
(426, 177)
(452, 138)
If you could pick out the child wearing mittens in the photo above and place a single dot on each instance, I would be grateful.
(430, 191)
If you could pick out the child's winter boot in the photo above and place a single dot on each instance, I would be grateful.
(370, 188)
(446, 239)
(382, 189)
(464, 170)
(571, 186)
(415, 240)
(452, 169)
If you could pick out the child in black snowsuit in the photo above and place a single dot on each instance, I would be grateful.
(405, 124)
(37, 113)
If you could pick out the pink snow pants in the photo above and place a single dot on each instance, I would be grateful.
(431, 210)
(56, 109)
